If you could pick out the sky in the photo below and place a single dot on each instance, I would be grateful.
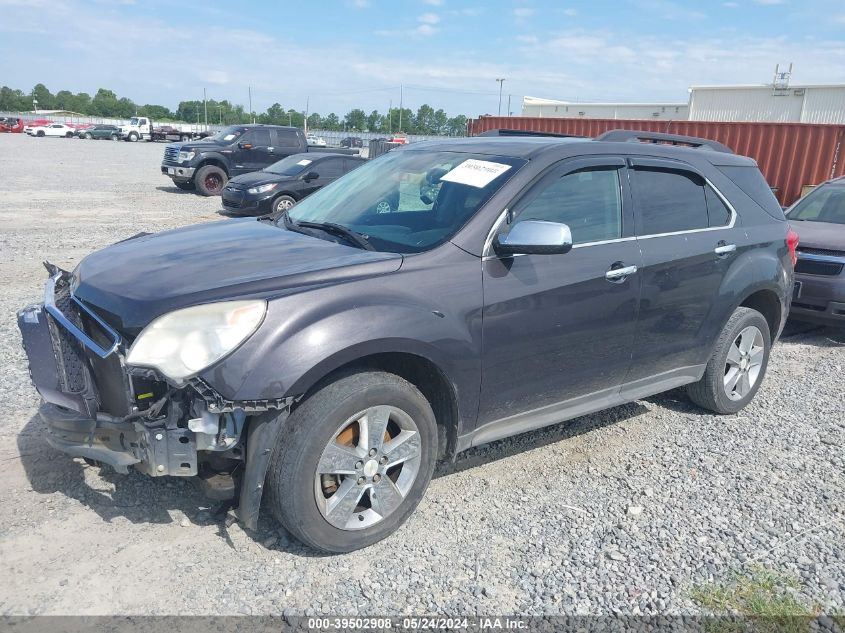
(334, 55)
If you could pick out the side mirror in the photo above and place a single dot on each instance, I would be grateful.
(243, 145)
(534, 237)
(311, 175)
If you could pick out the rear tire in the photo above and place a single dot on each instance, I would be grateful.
(210, 180)
(115, 137)
(738, 365)
(318, 430)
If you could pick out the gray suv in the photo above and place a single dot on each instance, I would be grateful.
(332, 355)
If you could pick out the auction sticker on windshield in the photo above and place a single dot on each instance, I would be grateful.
(475, 173)
(304, 162)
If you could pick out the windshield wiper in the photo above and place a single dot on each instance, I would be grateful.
(336, 229)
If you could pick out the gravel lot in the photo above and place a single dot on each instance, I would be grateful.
(620, 512)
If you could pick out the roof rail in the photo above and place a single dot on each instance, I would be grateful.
(507, 132)
(632, 136)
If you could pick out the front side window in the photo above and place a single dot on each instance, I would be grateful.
(669, 200)
(823, 204)
(259, 138)
(409, 201)
(589, 201)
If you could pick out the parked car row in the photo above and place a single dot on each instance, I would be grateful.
(439, 297)
(207, 165)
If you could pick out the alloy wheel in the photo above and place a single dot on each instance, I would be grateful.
(744, 362)
(367, 468)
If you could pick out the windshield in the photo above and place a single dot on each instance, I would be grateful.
(133, 121)
(409, 201)
(290, 166)
(227, 134)
(823, 204)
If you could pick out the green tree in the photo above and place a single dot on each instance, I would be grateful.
(46, 100)
(332, 122)
(356, 119)
(155, 112)
(457, 126)
(424, 120)
(315, 121)
(104, 103)
(12, 100)
(374, 121)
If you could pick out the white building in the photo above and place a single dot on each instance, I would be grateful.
(776, 103)
(765, 102)
(535, 106)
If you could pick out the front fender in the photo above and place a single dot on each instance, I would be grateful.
(308, 335)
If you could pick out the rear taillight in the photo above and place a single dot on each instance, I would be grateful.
(792, 243)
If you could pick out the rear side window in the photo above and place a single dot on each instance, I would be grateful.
(717, 212)
(669, 200)
(260, 138)
(286, 138)
(752, 183)
(588, 201)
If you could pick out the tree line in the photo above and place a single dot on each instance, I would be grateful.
(105, 103)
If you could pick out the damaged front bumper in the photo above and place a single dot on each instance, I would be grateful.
(97, 408)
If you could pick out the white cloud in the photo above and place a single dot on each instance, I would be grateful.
(435, 3)
(840, 18)
(769, 3)
(571, 13)
(360, 4)
(730, 5)
(428, 18)
(426, 30)
(523, 12)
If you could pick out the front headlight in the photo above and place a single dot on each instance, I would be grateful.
(183, 156)
(262, 188)
(184, 342)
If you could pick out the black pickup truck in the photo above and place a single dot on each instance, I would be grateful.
(208, 164)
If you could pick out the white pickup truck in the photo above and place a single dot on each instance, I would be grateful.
(141, 128)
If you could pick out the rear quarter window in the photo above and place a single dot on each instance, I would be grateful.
(752, 184)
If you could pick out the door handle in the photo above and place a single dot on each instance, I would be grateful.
(619, 274)
(724, 249)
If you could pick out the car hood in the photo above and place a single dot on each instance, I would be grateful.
(255, 178)
(203, 145)
(826, 235)
(134, 281)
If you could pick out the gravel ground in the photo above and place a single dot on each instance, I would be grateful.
(620, 512)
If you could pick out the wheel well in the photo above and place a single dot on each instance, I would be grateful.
(767, 303)
(216, 163)
(425, 376)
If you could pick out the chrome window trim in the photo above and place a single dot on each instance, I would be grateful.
(488, 243)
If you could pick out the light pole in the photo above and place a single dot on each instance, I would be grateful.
(35, 106)
(501, 83)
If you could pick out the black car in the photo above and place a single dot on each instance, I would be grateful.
(331, 356)
(819, 220)
(351, 141)
(278, 187)
(206, 165)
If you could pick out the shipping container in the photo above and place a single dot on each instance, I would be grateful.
(790, 155)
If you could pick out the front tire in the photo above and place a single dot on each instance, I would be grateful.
(738, 365)
(40, 133)
(88, 136)
(185, 138)
(133, 137)
(280, 205)
(210, 180)
(353, 461)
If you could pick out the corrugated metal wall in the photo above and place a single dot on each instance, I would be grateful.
(797, 104)
(790, 155)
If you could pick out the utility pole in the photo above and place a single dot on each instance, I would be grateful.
(390, 117)
(400, 108)
(501, 83)
(509, 106)
(305, 117)
(251, 113)
(205, 107)
(220, 108)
